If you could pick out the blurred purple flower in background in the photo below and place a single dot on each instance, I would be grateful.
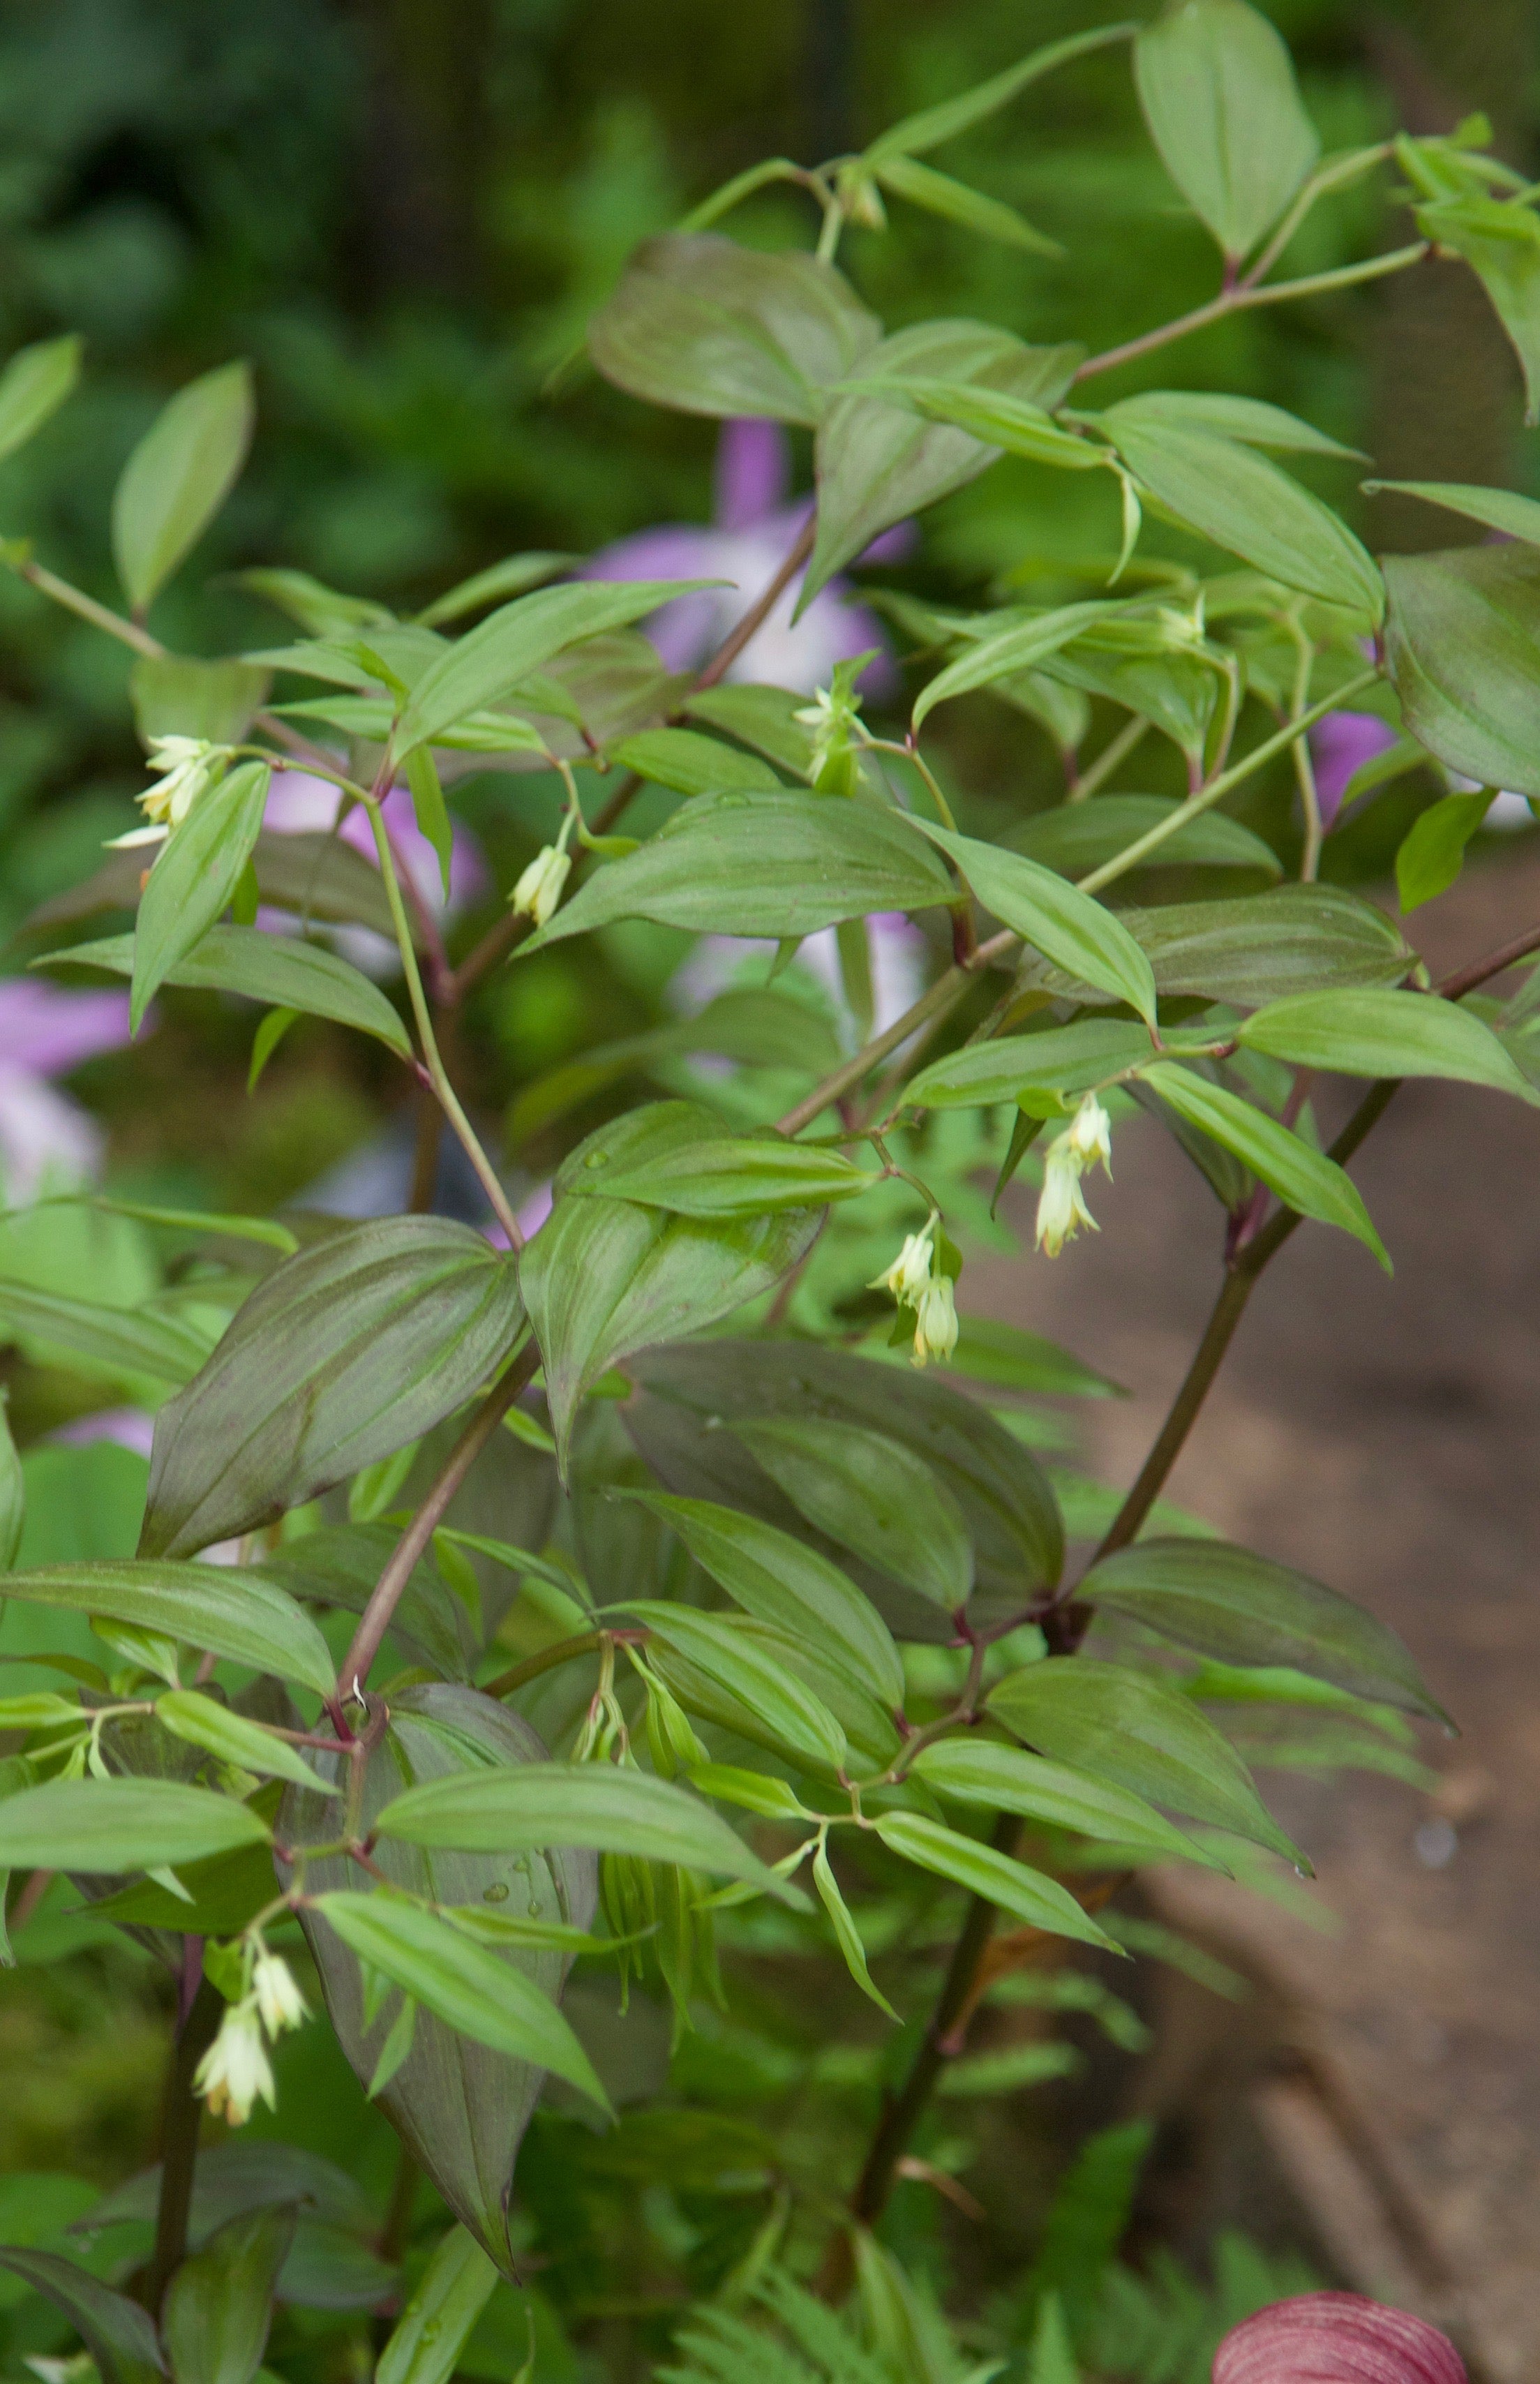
(299, 801)
(1340, 744)
(47, 1139)
(753, 532)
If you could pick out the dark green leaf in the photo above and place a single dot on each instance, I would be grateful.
(472, 1991)
(117, 2333)
(765, 718)
(982, 1870)
(872, 1494)
(782, 1581)
(1303, 1177)
(1225, 1602)
(435, 2326)
(227, 1892)
(343, 1353)
(178, 477)
(34, 385)
(1074, 837)
(736, 1176)
(1463, 647)
(198, 870)
(230, 1612)
(120, 1825)
(1123, 1727)
(282, 971)
(730, 1654)
(691, 765)
(1383, 1033)
(1066, 926)
(989, 1350)
(779, 865)
(590, 1805)
(700, 324)
(1217, 87)
(218, 2305)
(1003, 1779)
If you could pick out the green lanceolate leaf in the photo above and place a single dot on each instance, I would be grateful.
(1432, 854)
(1066, 1059)
(1249, 419)
(119, 2336)
(736, 1176)
(219, 2303)
(1217, 88)
(996, 418)
(225, 1611)
(781, 866)
(912, 135)
(282, 970)
(202, 1721)
(700, 324)
(1503, 510)
(1303, 1177)
(495, 584)
(1246, 505)
(515, 641)
(1256, 948)
(1075, 837)
(1123, 1727)
(1225, 1602)
(471, 1989)
(1463, 649)
(989, 1350)
(1011, 651)
(982, 1870)
(731, 1655)
(33, 386)
(692, 765)
(1377, 1033)
(872, 1494)
(118, 1340)
(346, 1351)
(1066, 926)
(877, 461)
(199, 868)
(178, 477)
(1500, 243)
(782, 1581)
(1007, 1780)
(120, 1825)
(590, 1805)
(847, 1936)
(435, 2326)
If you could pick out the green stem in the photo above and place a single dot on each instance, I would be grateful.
(944, 995)
(1243, 295)
(1114, 752)
(561, 1651)
(86, 608)
(1304, 768)
(1331, 177)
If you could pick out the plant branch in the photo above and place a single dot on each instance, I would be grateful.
(760, 610)
(181, 2114)
(1114, 752)
(1244, 294)
(545, 1659)
(376, 1618)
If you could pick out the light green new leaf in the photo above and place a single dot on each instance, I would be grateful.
(226, 1611)
(744, 865)
(956, 203)
(736, 1176)
(1013, 1885)
(1011, 651)
(34, 385)
(871, 1494)
(178, 477)
(1377, 1032)
(120, 2335)
(996, 418)
(472, 1990)
(847, 1935)
(516, 640)
(783, 1581)
(435, 2326)
(284, 972)
(1003, 1779)
(430, 811)
(591, 1804)
(879, 462)
(198, 870)
(177, 695)
(1254, 423)
(1432, 853)
(1217, 87)
(1463, 649)
(730, 1653)
(1066, 926)
(1232, 495)
(1124, 1727)
(345, 1352)
(202, 1721)
(912, 135)
(218, 2305)
(1305, 1178)
(700, 324)
(1225, 1602)
(1500, 509)
(499, 582)
(120, 1825)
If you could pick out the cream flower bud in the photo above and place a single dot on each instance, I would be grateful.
(935, 1321)
(235, 2069)
(1062, 1209)
(187, 768)
(1091, 1133)
(540, 889)
(279, 2000)
(910, 1271)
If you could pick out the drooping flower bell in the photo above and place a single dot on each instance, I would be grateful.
(236, 2070)
(1062, 1209)
(540, 889)
(279, 2000)
(917, 1279)
(187, 768)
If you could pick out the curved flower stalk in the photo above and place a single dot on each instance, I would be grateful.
(299, 801)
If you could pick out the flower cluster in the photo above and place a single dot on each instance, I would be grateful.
(235, 2070)
(1062, 1209)
(187, 768)
(917, 1279)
